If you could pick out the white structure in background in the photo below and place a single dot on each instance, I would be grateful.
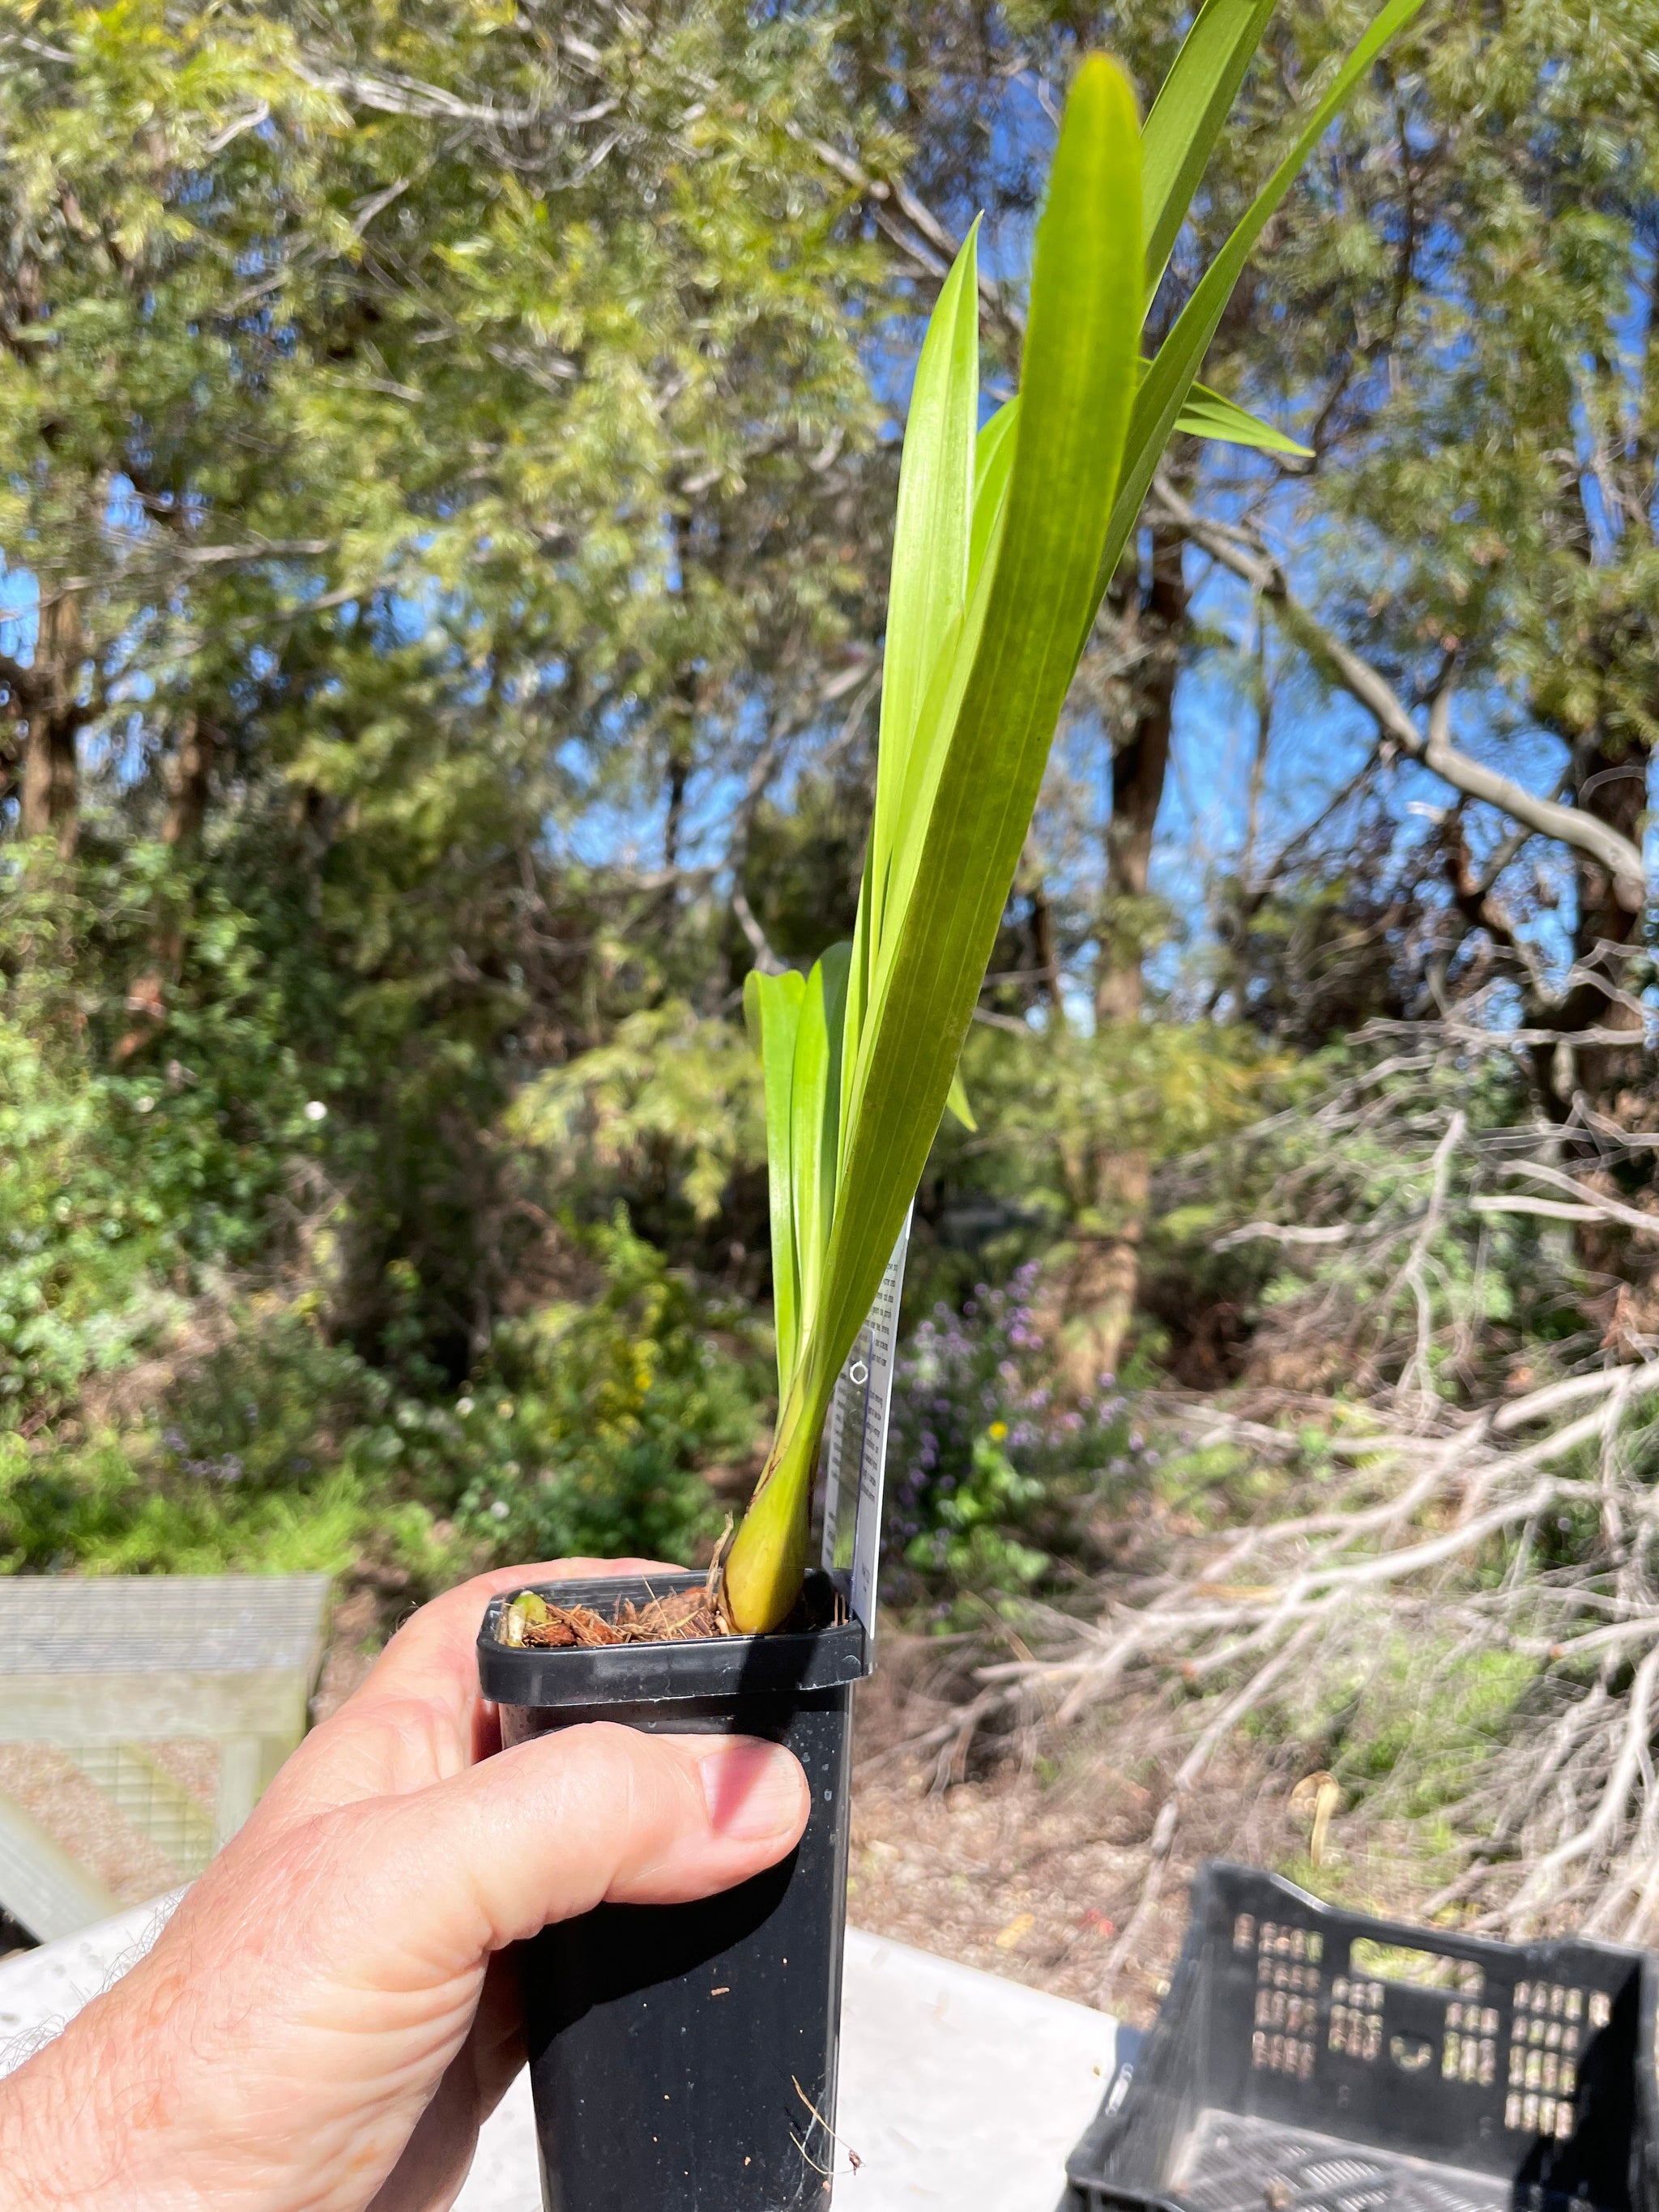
(957, 2089)
(102, 1669)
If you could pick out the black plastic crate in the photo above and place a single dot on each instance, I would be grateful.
(1311, 2060)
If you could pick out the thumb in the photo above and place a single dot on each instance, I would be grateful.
(567, 1821)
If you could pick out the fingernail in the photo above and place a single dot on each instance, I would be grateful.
(754, 1789)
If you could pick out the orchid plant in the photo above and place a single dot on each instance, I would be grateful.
(1007, 534)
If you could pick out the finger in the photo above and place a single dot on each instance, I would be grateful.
(414, 1720)
(437, 2155)
(565, 1822)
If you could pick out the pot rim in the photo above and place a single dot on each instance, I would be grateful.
(826, 1657)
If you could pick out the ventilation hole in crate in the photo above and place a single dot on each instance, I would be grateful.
(1410, 2053)
(1279, 1939)
(1423, 1970)
(1535, 2115)
(1468, 2057)
(1282, 2054)
(1355, 2032)
(1550, 2013)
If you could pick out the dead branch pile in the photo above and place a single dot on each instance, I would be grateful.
(1437, 1522)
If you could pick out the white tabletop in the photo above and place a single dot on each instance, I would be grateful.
(957, 2087)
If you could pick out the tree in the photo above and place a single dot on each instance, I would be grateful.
(1466, 293)
(413, 433)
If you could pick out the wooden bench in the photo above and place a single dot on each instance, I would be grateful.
(101, 1668)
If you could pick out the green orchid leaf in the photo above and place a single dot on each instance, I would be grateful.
(1206, 413)
(993, 457)
(771, 1006)
(981, 744)
(1004, 547)
(1187, 116)
(1165, 388)
(815, 1118)
(929, 581)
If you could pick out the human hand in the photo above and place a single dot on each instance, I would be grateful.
(326, 2018)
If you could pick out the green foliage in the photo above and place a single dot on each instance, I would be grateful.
(388, 460)
(122, 1189)
(671, 1104)
(1161, 1088)
(619, 1405)
(1409, 1724)
(590, 1427)
(993, 1470)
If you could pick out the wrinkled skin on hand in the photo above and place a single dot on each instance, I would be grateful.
(326, 2020)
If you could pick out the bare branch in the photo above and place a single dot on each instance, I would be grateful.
(1614, 1797)
(275, 549)
(1608, 1209)
(1338, 1233)
(1413, 1274)
(765, 959)
(390, 92)
(931, 247)
(1549, 1209)
(1254, 565)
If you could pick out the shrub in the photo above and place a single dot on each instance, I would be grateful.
(989, 1465)
(588, 1428)
(592, 1432)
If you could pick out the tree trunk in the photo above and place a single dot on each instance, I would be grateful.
(1615, 791)
(1140, 765)
(189, 774)
(679, 770)
(50, 783)
(1103, 1279)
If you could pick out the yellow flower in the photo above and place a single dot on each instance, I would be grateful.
(998, 1431)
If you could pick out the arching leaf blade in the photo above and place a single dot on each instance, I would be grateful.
(771, 1006)
(1206, 414)
(1075, 395)
(929, 580)
(993, 457)
(1164, 387)
(815, 1118)
(1187, 116)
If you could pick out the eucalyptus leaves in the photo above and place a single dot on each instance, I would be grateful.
(1006, 539)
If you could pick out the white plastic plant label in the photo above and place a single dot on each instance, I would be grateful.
(855, 1458)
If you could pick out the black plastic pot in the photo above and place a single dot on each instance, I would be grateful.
(682, 2057)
